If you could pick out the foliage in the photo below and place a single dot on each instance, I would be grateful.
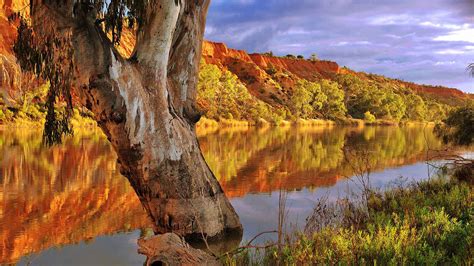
(117, 14)
(428, 223)
(307, 100)
(333, 108)
(369, 117)
(349, 96)
(387, 99)
(50, 59)
(436, 112)
(3, 117)
(458, 127)
(49, 53)
(393, 107)
(416, 108)
(222, 96)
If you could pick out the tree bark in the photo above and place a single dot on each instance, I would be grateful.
(146, 107)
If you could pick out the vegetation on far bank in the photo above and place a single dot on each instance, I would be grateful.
(347, 100)
(30, 110)
(225, 101)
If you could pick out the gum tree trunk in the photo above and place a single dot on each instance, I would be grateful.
(146, 107)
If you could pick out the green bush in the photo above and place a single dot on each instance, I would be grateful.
(458, 128)
(368, 117)
(2, 116)
(428, 223)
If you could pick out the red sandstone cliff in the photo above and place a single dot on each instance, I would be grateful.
(269, 78)
(257, 71)
(10, 73)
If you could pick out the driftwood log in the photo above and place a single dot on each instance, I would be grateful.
(170, 249)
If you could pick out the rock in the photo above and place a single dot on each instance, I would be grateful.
(170, 249)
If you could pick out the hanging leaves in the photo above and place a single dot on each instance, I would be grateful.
(50, 59)
(119, 13)
(50, 56)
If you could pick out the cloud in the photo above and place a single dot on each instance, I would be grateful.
(406, 39)
(464, 35)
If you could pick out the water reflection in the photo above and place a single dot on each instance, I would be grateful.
(261, 161)
(62, 195)
(73, 193)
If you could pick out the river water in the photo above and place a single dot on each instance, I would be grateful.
(69, 205)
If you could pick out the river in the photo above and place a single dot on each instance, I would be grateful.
(68, 205)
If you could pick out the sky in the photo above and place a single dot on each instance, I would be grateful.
(424, 41)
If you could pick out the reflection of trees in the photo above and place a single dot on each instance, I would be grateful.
(250, 161)
(72, 192)
(63, 195)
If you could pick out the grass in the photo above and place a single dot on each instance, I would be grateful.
(427, 223)
(205, 122)
(381, 122)
(34, 117)
(351, 122)
(314, 122)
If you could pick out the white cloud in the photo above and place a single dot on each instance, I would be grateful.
(464, 35)
(403, 19)
(450, 52)
(442, 26)
(441, 63)
(353, 43)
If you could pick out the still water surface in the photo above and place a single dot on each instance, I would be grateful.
(69, 205)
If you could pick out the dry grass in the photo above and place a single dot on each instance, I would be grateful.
(314, 123)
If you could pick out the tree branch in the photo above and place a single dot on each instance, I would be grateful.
(154, 39)
(182, 72)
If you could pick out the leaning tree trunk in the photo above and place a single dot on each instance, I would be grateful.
(146, 107)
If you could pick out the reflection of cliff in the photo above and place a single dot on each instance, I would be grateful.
(294, 160)
(72, 192)
(59, 196)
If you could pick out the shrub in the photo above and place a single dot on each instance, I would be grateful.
(427, 223)
(2, 116)
(368, 117)
(458, 128)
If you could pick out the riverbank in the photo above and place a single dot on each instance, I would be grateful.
(27, 120)
(32, 116)
(211, 123)
(430, 222)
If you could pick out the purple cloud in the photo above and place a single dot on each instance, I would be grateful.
(425, 41)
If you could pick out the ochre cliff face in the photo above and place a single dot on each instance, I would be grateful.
(257, 71)
(310, 70)
(272, 78)
(269, 78)
(257, 81)
(220, 54)
(217, 53)
(10, 74)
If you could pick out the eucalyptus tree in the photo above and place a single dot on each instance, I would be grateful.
(144, 104)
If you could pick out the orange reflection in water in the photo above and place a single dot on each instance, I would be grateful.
(62, 195)
(73, 192)
(261, 161)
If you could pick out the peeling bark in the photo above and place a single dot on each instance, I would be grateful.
(145, 106)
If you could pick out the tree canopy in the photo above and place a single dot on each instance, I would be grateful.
(49, 54)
